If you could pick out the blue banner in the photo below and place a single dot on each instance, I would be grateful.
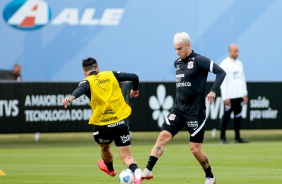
(49, 38)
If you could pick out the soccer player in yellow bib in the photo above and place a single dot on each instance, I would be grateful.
(109, 113)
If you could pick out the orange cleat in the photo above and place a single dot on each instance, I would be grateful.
(104, 168)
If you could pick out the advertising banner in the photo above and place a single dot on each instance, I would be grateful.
(36, 107)
(156, 99)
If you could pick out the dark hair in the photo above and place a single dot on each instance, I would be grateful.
(89, 64)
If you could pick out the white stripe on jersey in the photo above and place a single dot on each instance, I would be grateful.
(166, 120)
(199, 128)
(238, 115)
(211, 66)
(81, 82)
(96, 133)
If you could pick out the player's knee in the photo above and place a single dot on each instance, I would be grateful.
(164, 137)
(195, 150)
(105, 148)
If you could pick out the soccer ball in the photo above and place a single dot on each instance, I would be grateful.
(126, 177)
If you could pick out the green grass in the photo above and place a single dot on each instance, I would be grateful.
(71, 158)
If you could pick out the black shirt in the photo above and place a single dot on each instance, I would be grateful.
(191, 79)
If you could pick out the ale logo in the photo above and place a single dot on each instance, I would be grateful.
(27, 14)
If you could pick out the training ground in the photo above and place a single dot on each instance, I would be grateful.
(71, 158)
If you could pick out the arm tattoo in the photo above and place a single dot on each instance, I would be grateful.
(159, 151)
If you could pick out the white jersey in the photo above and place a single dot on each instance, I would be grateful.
(234, 84)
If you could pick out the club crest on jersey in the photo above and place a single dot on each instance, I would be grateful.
(190, 64)
(172, 117)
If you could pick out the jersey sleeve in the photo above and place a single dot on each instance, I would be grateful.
(220, 75)
(81, 89)
(205, 63)
(122, 76)
(212, 67)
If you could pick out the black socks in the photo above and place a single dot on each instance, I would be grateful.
(133, 167)
(151, 162)
(208, 172)
(110, 166)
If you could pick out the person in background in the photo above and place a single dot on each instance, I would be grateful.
(17, 72)
(234, 93)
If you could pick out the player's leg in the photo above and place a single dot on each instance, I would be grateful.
(196, 127)
(123, 142)
(196, 149)
(224, 122)
(170, 127)
(157, 151)
(159, 147)
(103, 138)
(237, 106)
(106, 164)
(130, 162)
(126, 157)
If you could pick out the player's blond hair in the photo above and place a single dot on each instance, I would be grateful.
(182, 37)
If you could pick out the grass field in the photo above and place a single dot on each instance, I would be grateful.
(71, 158)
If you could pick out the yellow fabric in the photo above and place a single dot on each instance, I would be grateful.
(107, 102)
(2, 173)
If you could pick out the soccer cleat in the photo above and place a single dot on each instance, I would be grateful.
(210, 180)
(147, 174)
(137, 176)
(240, 140)
(223, 141)
(104, 168)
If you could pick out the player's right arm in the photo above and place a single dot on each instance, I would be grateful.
(81, 89)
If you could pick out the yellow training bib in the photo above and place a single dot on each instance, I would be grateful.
(107, 102)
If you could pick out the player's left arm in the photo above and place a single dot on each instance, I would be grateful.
(210, 66)
(122, 76)
(220, 75)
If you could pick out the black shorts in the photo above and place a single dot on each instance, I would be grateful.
(117, 132)
(175, 121)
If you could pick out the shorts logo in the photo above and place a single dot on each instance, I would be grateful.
(192, 124)
(171, 117)
(190, 65)
(116, 124)
(27, 14)
(125, 138)
(102, 141)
